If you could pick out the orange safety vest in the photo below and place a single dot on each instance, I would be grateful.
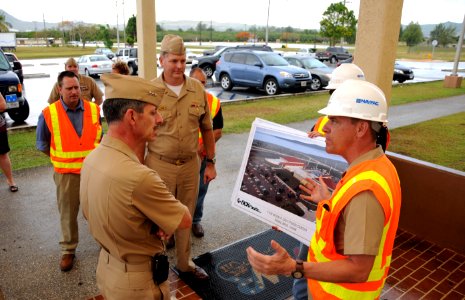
(214, 105)
(67, 149)
(380, 177)
(320, 123)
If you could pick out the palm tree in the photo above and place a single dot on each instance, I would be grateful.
(4, 25)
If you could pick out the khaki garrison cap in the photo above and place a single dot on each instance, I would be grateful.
(71, 62)
(173, 44)
(119, 86)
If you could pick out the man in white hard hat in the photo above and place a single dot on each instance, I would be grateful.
(338, 76)
(350, 251)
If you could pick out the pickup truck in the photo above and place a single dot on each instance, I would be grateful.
(333, 54)
(129, 55)
(12, 90)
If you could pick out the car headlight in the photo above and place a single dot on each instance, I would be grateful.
(12, 89)
(285, 74)
(397, 71)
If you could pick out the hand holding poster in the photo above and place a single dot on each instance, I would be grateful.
(276, 160)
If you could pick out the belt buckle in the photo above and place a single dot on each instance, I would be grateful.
(179, 162)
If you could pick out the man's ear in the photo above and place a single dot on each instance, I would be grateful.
(130, 116)
(363, 127)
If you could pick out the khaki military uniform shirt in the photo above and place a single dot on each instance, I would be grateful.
(89, 90)
(182, 116)
(122, 199)
(360, 226)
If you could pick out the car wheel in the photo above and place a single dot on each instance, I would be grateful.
(226, 83)
(401, 80)
(271, 87)
(21, 113)
(333, 60)
(316, 83)
(208, 69)
(131, 69)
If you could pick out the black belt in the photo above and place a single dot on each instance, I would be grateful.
(175, 161)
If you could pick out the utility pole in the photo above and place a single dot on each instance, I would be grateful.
(45, 30)
(117, 28)
(267, 19)
(211, 30)
(124, 27)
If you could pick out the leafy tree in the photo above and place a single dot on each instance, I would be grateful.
(131, 30)
(338, 22)
(444, 35)
(4, 25)
(86, 33)
(242, 36)
(104, 35)
(412, 35)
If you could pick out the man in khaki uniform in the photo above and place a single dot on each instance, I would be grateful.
(184, 108)
(89, 88)
(127, 205)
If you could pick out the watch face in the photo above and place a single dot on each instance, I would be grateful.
(297, 274)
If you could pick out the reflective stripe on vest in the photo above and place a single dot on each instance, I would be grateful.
(320, 123)
(366, 176)
(214, 105)
(67, 149)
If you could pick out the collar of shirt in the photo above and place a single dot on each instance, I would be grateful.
(119, 146)
(80, 106)
(372, 154)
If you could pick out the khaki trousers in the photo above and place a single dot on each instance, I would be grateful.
(119, 281)
(68, 206)
(183, 182)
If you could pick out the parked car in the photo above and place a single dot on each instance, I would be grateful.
(105, 51)
(11, 89)
(306, 52)
(260, 69)
(16, 65)
(94, 64)
(333, 54)
(129, 55)
(190, 56)
(212, 51)
(320, 71)
(208, 63)
(401, 72)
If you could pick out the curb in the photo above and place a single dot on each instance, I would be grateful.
(36, 75)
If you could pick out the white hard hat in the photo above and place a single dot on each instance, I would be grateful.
(343, 73)
(357, 99)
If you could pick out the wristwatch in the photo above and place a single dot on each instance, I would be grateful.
(211, 160)
(299, 269)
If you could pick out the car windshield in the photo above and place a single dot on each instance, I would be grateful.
(98, 58)
(311, 63)
(273, 59)
(4, 64)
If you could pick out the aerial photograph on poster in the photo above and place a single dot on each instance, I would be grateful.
(276, 160)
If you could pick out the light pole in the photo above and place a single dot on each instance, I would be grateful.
(117, 29)
(267, 19)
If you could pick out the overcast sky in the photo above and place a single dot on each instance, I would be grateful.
(296, 13)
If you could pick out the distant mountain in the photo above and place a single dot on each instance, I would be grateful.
(19, 25)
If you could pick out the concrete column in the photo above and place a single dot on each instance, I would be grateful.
(146, 39)
(377, 39)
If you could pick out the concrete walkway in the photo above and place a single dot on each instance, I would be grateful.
(29, 228)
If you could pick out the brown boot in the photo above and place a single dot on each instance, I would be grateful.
(66, 263)
(197, 230)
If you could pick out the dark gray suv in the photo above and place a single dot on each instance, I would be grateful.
(208, 63)
(333, 54)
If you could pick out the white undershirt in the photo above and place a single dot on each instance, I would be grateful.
(175, 88)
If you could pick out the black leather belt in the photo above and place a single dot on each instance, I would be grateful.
(177, 161)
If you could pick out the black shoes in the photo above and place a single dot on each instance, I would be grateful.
(197, 230)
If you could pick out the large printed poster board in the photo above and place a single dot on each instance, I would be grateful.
(276, 159)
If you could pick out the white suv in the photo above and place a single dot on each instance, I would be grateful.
(128, 55)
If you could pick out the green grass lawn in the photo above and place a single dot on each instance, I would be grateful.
(238, 118)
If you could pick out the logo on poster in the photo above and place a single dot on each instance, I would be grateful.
(247, 205)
